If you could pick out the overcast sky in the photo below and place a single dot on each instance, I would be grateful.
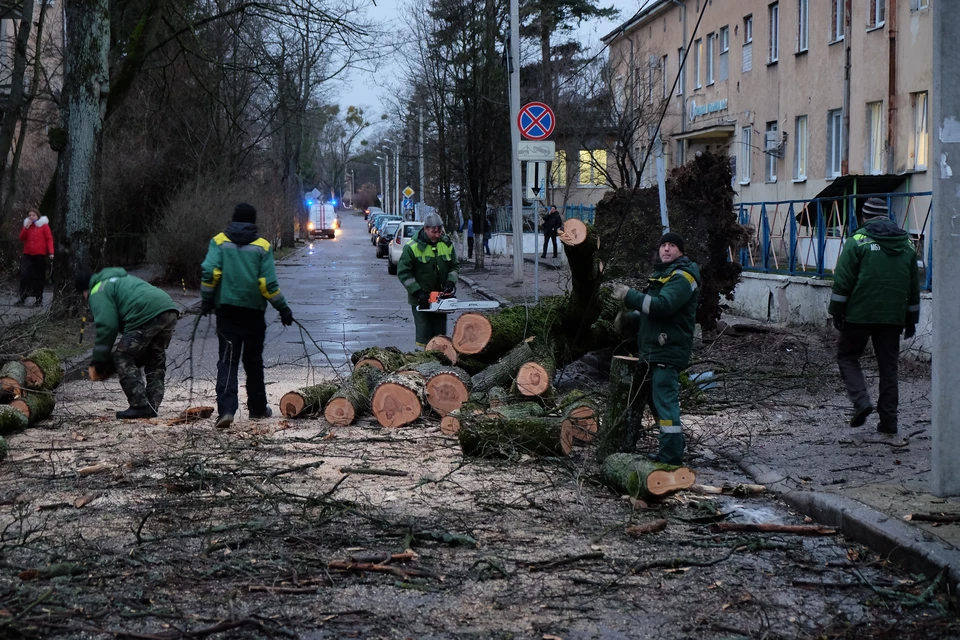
(358, 91)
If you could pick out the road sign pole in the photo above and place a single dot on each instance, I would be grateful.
(515, 141)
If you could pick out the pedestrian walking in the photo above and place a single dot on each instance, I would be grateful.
(668, 309)
(470, 238)
(239, 277)
(147, 317)
(487, 232)
(551, 226)
(876, 297)
(37, 249)
(428, 264)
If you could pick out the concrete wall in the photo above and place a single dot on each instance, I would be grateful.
(795, 301)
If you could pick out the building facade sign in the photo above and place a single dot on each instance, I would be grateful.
(711, 107)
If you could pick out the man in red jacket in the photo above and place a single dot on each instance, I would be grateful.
(37, 247)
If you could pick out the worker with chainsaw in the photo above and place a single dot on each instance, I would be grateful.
(428, 265)
(147, 318)
(238, 278)
(668, 309)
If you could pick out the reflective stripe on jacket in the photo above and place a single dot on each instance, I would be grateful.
(427, 267)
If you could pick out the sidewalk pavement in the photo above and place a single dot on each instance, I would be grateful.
(857, 480)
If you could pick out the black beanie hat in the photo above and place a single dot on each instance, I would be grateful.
(672, 237)
(82, 281)
(244, 212)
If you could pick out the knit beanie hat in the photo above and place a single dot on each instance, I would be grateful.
(82, 280)
(875, 208)
(432, 220)
(673, 238)
(244, 212)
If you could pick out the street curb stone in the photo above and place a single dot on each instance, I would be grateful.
(483, 291)
(903, 543)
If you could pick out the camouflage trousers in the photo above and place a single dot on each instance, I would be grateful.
(146, 348)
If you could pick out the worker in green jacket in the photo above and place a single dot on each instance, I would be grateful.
(147, 317)
(668, 309)
(428, 264)
(876, 297)
(238, 278)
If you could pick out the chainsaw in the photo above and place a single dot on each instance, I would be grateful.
(441, 303)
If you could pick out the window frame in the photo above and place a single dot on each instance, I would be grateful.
(746, 147)
(876, 16)
(558, 169)
(803, 26)
(770, 166)
(921, 130)
(834, 144)
(748, 29)
(801, 156)
(711, 78)
(723, 58)
(697, 62)
(875, 142)
(837, 22)
(665, 88)
(773, 24)
(681, 71)
(595, 173)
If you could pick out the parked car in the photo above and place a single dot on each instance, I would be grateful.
(372, 220)
(384, 238)
(371, 211)
(407, 232)
(381, 221)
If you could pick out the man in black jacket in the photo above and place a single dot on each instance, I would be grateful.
(551, 225)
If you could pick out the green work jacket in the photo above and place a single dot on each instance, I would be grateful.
(427, 267)
(239, 270)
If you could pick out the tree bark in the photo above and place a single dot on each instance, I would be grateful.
(308, 401)
(16, 98)
(502, 372)
(11, 420)
(35, 405)
(643, 479)
(13, 379)
(613, 433)
(384, 358)
(490, 435)
(352, 399)
(43, 369)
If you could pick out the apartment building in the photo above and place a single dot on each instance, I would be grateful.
(807, 97)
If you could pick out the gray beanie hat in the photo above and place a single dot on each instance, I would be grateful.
(432, 220)
(875, 208)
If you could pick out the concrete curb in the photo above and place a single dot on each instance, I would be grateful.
(484, 292)
(546, 265)
(903, 543)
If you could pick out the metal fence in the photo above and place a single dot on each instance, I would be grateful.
(503, 216)
(805, 237)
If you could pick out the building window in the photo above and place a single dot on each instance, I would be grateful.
(681, 73)
(651, 77)
(697, 62)
(916, 5)
(746, 152)
(711, 45)
(593, 167)
(875, 140)
(800, 156)
(834, 143)
(771, 144)
(921, 132)
(681, 153)
(724, 72)
(803, 25)
(664, 77)
(774, 32)
(877, 8)
(558, 173)
(836, 21)
(747, 43)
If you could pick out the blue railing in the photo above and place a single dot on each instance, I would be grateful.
(584, 212)
(502, 221)
(805, 237)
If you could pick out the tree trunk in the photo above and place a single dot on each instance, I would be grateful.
(471, 333)
(308, 401)
(384, 358)
(613, 430)
(11, 420)
(643, 479)
(35, 405)
(535, 378)
(492, 435)
(13, 379)
(399, 398)
(16, 97)
(447, 387)
(352, 400)
(43, 369)
(502, 372)
(443, 344)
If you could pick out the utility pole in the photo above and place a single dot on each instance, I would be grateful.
(945, 446)
(423, 180)
(513, 66)
(396, 170)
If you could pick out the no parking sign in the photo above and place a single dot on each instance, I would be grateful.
(536, 121)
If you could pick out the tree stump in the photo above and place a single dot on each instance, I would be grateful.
(308, 401)
(573, 232)
(44, 370)
(492, 435)
(11, 420)
(13, 379)
(471, 333)
(399, 398)
(443, 344)
(35, 405)
(643, 479)
(386, 359)
(352, 399)
(503, 371)
(613, 435)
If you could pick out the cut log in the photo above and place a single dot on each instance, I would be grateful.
(471, 333)
(497, 397)
(11, 420)
(423, 357)
(447, 387)
(492, 435)
(535, 378)
(450, 423)
(444, 344)
(13, 379)
(352, 399)
(384, 358)
(44, 370)
(573, 233)
(193, 414)
(518, 410)
(640, 478)
(504, 370)
(399, 399)
(35, 405)
(581, 421)
(308, 401)
(613, 434)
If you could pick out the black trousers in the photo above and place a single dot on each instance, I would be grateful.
(240, 334)
(469, 246)
(547, 237)
(33, 271)
(886, 345)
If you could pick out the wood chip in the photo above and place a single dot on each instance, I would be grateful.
(84, 500)
(638, 530)
(100, 467)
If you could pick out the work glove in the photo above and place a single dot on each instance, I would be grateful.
(909, 331)
(838, 323)
(206, 307)
(620, 291)
(104, 368)
(286, 316)
(423, 300)
(449, 289)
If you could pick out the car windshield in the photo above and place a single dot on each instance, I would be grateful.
(391, 228)
(411, 230)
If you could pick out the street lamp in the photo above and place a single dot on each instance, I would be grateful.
(396, 171)
(385, 183)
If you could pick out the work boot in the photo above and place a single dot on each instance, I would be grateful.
(860, 416)
(268, 412)
(136, 412)
(653, 457)
(224, 421)
(887, 428)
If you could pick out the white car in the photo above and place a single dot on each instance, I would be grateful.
(407, 232)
